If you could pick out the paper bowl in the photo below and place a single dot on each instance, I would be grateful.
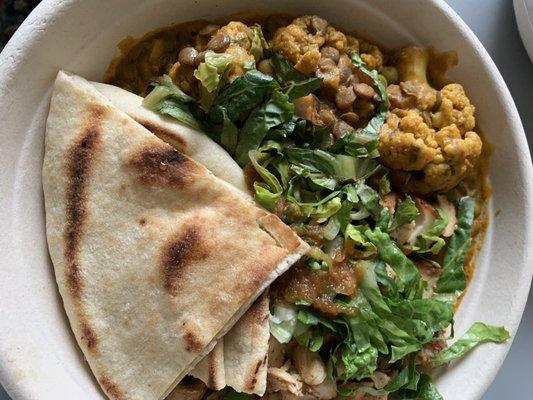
(39, 358)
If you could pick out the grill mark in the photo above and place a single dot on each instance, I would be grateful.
(88, 336)
(178, 253)
(79, 165)
(212, 373)
(193, 344)
(253, 380)
(162, 165)
(169, 136)
(80, 160)
(111, 389)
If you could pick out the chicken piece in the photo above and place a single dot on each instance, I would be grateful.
(455, 108)
(408, 233)
(309, 365)
(300, 42)
(239, 48)
(325, 391)
(430, 273)
(449, 209)
(188, 389)
(277, 352)
(424, 160)
(281, 380)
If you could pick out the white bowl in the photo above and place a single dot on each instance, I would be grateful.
(39, 358)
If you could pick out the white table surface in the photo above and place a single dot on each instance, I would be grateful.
(494, 24)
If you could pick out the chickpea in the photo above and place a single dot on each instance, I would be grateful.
(309, 365)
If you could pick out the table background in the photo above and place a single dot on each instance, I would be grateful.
(494, 24)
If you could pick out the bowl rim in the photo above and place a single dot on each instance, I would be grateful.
(26, 37)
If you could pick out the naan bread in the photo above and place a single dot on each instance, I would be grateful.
(195, 144)
(246, 349)
(242, 372)
(155, 257)
(239, 359)
(211, 369)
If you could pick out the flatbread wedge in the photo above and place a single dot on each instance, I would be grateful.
(195, 144)
(246, 349)
(155, 257)
(248, 340)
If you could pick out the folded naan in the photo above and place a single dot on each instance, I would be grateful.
(213, 370)
(154, 256)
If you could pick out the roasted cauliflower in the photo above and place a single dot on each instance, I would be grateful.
(424, 159)
(455, 108)
(427, 138)
(239, 47)
(300, 42)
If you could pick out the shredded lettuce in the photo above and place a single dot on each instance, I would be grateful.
(210, 73)
(331, 189)
(283, 322)
(168, 99)
(259, 43)
(274, 112)
(294, 83)
(405, 213)
(453, 278)
(388, 251)
(477, 334)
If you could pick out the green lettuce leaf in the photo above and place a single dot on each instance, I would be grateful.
(294, 83)
(259, 43)
(283, 322)
(241, 96)
(229, 135)
(477, 334)
(168, 99)
(405, 213)
(389, 252)
(453, 278)
(274, 112)
(210, 73)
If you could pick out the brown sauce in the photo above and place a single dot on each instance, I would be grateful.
(319, 288)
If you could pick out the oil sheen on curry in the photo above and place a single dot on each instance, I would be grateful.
(372, 156)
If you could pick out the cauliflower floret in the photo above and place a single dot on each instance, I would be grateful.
(301, 40)
(406, 142)
(240, 44)
(412, 94)
(424, 160)
(371, 55)
(336, 39)
(455, 108)
(412, 63)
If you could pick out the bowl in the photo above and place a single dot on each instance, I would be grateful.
(39, 358)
